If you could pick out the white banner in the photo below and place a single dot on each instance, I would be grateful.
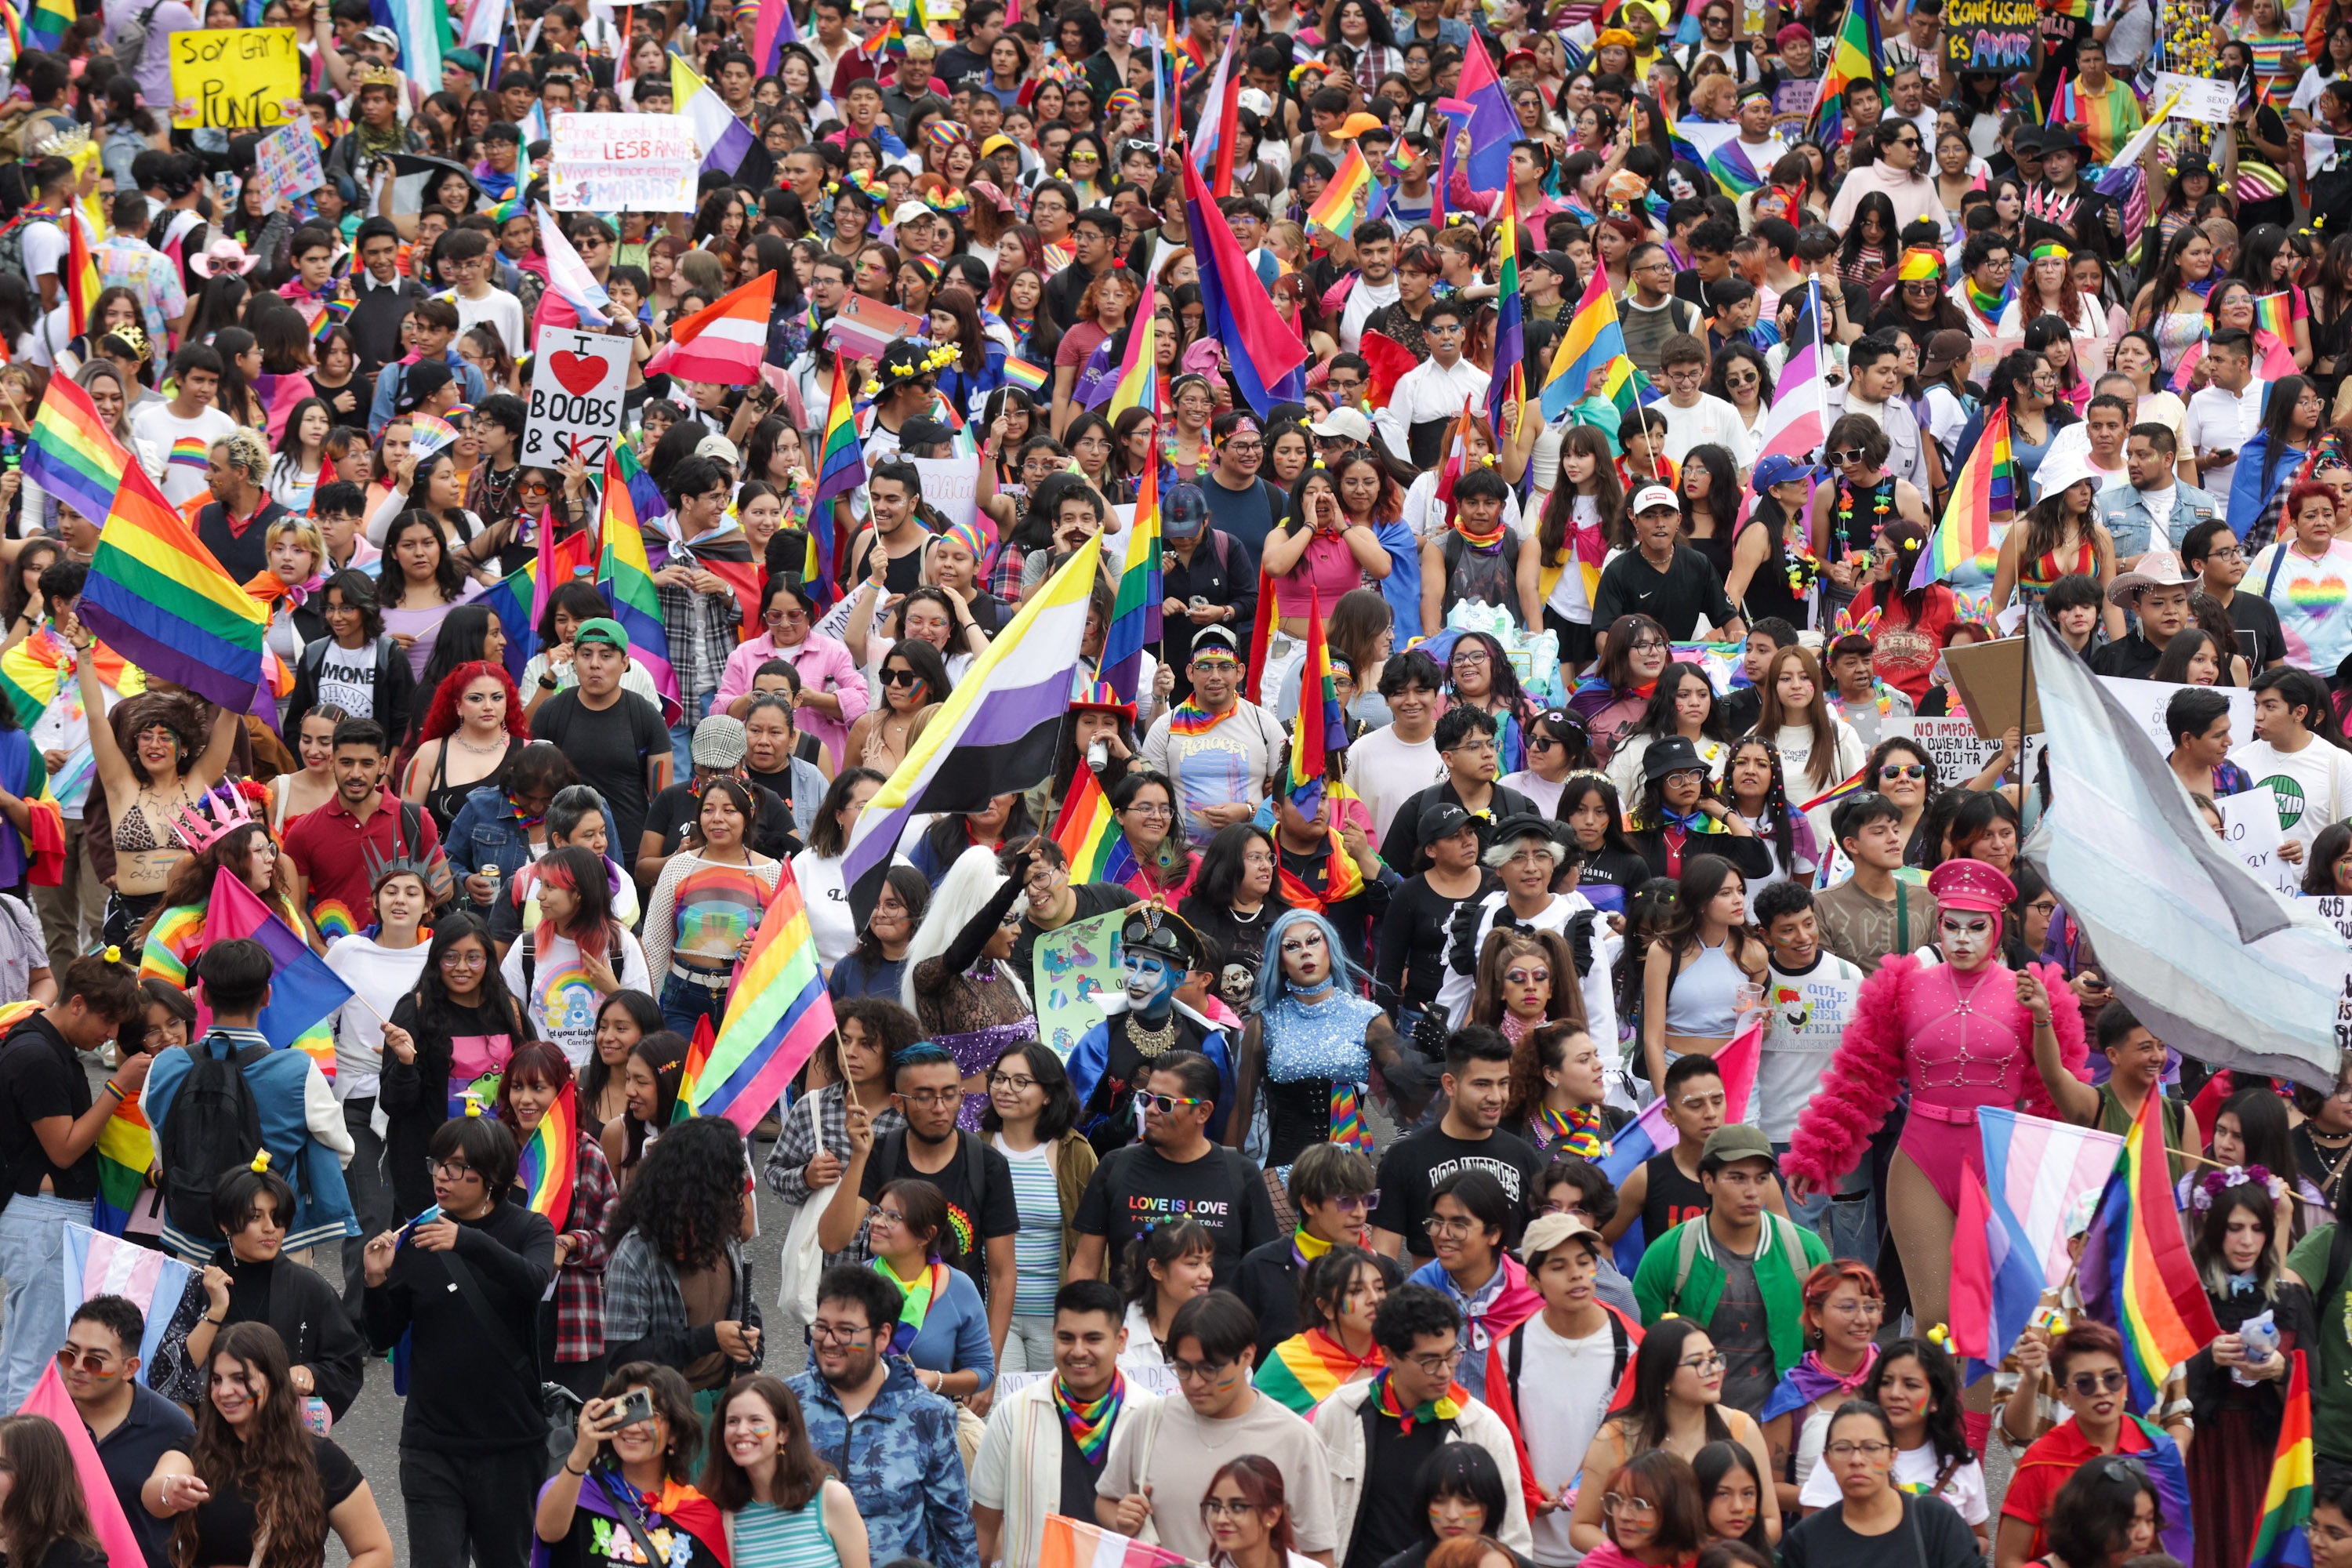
(577, 381)
(2249, 826)
(2146, 699)
(2203, 100)
(952, 487)
(622, 163)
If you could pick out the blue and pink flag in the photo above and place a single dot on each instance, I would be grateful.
(1493, 126)
(1651, 1133)
(1263, 349)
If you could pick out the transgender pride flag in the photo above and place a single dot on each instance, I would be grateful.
(2011, 1241)
(154, 1282)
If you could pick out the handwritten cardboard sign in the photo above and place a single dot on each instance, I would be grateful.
(577, 380)
(286, 161)
(1992, 35)
(235, 77)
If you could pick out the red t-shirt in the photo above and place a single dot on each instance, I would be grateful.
(2049, 1463)
(1903, 652)
(334, 850)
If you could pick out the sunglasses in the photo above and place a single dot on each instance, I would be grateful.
(1167, 1104)
(901, 678)
(1903, 771)
(1842, 458)
(2087, 1384)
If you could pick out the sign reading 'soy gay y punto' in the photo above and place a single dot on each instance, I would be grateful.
(1994, 36)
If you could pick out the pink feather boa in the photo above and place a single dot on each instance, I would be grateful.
(1864, 1075)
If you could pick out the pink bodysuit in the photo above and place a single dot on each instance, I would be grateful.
(1959, 1041)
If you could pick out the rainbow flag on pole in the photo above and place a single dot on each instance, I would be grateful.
(777, 1015)
(73, 455)
(160, 599)
(1338, 210)
(1020, 372)
(627, 579)
(2135, 1270)
(1851, 59)
(80, 273)
(841, 457)
(551, 1157)
(1138, 385)
(1321, 729)
(2283, 1539)
(1984, 499)
(1594, 340)
(1135, 617)
(1508, 387)
(45, 24)
(1089, 834)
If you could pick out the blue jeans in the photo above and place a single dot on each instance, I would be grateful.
(685, 1004)
(1845, 1221)
(681, 739)
(31, 1252)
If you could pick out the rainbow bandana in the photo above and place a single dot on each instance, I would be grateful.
(2048, 248)
(1920, 265)
(1091, 1425)
(1187, 718)
(915, 1302)
(1446, 1406)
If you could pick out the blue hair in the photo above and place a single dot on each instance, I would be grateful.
(1344, 973)
(921, 1054)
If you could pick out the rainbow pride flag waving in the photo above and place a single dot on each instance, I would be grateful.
(777, 1015)
(1984, 499)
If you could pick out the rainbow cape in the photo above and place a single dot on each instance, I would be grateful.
(551, 1157)
(1305, 1369)
(1089, 834)
(627, 580)
(1734, 171)
(2283, 1539)
(777, 1015)
(1983, 500)
(2135, 1270)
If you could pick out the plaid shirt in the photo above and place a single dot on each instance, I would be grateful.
(642, 1299)
(579, 1278)
(1004, 576)
(150, 275)
(794, 1148)
(701, 629)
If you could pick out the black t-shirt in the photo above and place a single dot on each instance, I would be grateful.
(1137, 1188)
(1410, 960)
(597, 1542)
(71, 1553)
(1936, 1537)
(673, 810)
(1672, 1197)
(1078, 1477)
(972, 1217)
(155, 1428)
(2134, 658)
(41, 1077)
(609, 749)
(2251, 612)
(1386, 1521)
(1608, 876)
(225, 1525)
(1413, 1167)
(1688, 590)
(1093, 899)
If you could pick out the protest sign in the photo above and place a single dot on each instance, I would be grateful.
(2250, 827)
(286, 161)
(952, 487)
(1958, 752)
(2144, 700)
(622, 163)
(2203, 100)
(576, 385)
(1991, 36)
(1070, 967)
(863, 328)
(235, 77)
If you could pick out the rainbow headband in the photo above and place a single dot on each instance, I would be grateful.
(2048, 250)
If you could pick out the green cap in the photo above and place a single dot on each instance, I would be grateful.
(602, 629)
(1735, 1141)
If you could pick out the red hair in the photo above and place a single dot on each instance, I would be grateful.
(441, 719)
(1819, 1287)
(531, 1060)
(2307, 490)
(1259, 1480)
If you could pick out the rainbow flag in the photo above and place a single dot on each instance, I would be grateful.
(334, 918)
(1135, 616)
(1138, 384)
(73, 455)
(841, 459)
(1593, 342)
(551, 1157)
(1851, 59)
(1336, 209)
(1984, 499)
(45, 24)
(156, 595)
(1304, 1368)
(2283, 1539)
(1320, 730)
(1508, 388)
(126, 1149)
(1734, 171)
(1837, 792)
(14, 29)
(2136, 1271)
(1020, 372)
(2272, 314)
(776, 1015)
(1089, 837)
(628, 580)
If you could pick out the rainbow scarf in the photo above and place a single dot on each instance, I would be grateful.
(1089, 1424)
(1446, 1406)
(1580, 1131)
(523, 820)
(1188, 717)
(1490, 540)
(1302, 1370)
(1342, 880)
(1305, 1249)
(915, 1302)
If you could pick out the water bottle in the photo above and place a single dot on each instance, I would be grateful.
(2260, 1337)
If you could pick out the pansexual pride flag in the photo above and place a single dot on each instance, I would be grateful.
(776, 1015)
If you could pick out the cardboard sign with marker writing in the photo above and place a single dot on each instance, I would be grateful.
(1990, 678)
(577, 383)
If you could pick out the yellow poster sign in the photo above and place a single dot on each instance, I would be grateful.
(236, 78)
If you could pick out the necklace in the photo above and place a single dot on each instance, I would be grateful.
(1151, 1043)
(457, 739)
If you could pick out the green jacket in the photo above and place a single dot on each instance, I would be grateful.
(1777, 1278)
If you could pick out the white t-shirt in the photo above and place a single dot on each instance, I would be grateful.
(182, 447)
(45, 247)
(1710, 419)
(1915, 1472)
(1573, 1377)
(347, 679)
(379, 977)
(1385, 771)
(2222, 421)
(561, 1004)
(2313, 786)
(502, 311)
(827, 898)
(1796, 744)
(1806, 1017)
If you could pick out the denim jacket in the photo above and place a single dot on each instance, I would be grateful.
(899, 1461)
(486, 832)
(2124, 509)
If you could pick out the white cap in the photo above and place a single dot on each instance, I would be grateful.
(1345, 423)
(1650, 495)
(908, 213)
(1255, 101)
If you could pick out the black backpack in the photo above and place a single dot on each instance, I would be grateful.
(214, 1126)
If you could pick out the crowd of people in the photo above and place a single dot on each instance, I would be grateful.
(1469, 348)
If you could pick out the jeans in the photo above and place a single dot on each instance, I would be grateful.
(371, 1189)
(1846, 1220)
(1028, 1344)
(685, 1003)
(484, 1501)
(32, 1248)
(681, 738)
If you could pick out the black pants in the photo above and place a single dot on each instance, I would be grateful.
(481, 1502)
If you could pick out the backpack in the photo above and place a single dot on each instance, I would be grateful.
(131, 38)
(1686, 1249)
(12, 245)
(214, 1126)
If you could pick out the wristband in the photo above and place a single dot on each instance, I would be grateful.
(547, 683)
(570, 1471)
(116, 1090)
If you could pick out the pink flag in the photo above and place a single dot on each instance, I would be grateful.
(115, 1537)
(1795, 424)
(1972, 1304)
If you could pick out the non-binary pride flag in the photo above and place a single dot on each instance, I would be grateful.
(777, 1015)
(996, 736)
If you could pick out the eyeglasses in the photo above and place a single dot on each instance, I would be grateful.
(928, 1098)
(1923, 288)
(449, 1170)
(1167, 1104)
(1438, 1365)
(465, 960)
(2087, 1384)
(888, 1216)
(837, 1333)
(1903, 771)
(1866, 1308)
(2226, 553)
(94, 1362)
(1748, 378)
(901, 676)
(1867, 1449)
(1168, 811)
(1198, 1371)
(1631, 1507)
(785, 617)
(1458, 1229)
(1358, 1203)
(1006, 1081)
(1711, 1361)
(1227, 1508)
(1648, 645)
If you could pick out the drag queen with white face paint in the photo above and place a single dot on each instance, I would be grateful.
(1958, 1030)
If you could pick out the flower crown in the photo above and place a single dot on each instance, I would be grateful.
(937, 357)
(2213, 1184)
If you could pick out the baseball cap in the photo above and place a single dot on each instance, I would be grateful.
(1945, 350)
(1735, 1141)
(998, 143)
(1355, 125)
(1205, 640)
(1651, 496)
(719, 743)
(380, 34)
(1344, 424)
(924, 433)
(602, 629)
(1779, 468)
(1555, 1230)
(717, 446)
(1441, 819)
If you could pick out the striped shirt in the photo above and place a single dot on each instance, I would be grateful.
(768, 1537)
(1038, 1245)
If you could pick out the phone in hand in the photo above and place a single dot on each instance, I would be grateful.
(636, 1406)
